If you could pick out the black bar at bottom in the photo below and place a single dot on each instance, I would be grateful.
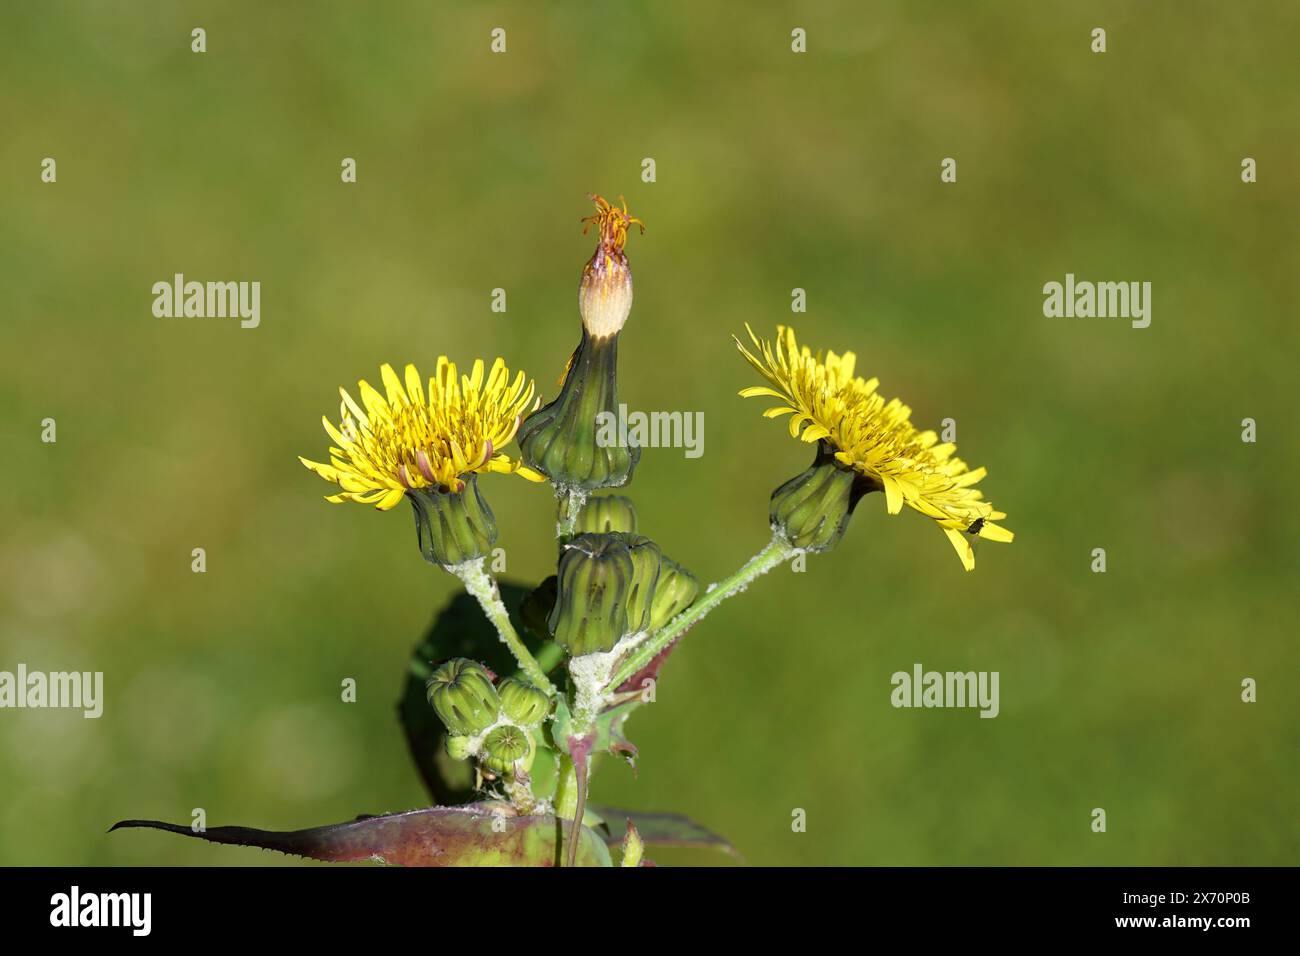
(334, 905)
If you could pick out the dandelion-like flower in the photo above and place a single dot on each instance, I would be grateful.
(404, 439)
(430, 448)
(860, 432)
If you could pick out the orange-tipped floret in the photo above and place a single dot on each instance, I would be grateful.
(612, 223)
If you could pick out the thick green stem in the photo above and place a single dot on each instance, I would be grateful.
(778, 551)
(482, 585)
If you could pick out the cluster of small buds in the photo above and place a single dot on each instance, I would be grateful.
(611, 583)
(493, 723)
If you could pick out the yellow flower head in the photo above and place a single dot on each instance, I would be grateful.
(874, 437)
(405, 439)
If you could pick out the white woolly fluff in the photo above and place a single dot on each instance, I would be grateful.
(591, 672)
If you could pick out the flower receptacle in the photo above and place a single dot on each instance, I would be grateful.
(453, 527)
(812, 510)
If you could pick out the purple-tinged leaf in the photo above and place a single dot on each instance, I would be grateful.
(662, 829)
(472, 835)
(651, 669)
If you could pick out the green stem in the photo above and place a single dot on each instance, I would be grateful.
(570, 503)
(566, 789)
(570, 804)
(777, 551)
(575, 834)
(482, 585)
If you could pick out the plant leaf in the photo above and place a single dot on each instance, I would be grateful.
(471, 835)
(661, 829)
(652, 667)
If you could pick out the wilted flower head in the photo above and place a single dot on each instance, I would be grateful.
(605, 292)
(406, 440)
(562, 440)
(875, 438)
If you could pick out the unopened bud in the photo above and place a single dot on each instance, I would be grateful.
(646, 559)
(674, 592)
(607, 513)
(458, 748)
(595, 576)
(506, 747)
(463, 697)
(522, 702)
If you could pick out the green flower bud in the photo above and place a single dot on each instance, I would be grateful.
(458, 747)
(607, 513)
(812, 510)
(505, 748)
(595, 577)
(522, 702)
(646, 560)
(674, 592)
(453, 526)
(569, 440)
(463, 697)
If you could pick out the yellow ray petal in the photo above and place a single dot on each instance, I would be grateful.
(996, 533)
(395, 394)
(414, 387)
(754, 390)
(893, 494)
(962, 547)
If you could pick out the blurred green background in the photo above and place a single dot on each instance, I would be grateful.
(774, 170)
